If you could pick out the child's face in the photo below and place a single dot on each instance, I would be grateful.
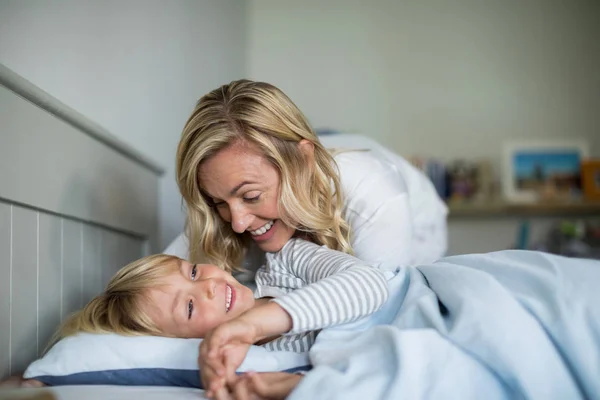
(197, 298)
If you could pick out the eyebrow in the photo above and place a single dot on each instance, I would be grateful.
(178, 294)
(238, 187)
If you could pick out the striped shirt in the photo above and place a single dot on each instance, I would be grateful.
(318, 288)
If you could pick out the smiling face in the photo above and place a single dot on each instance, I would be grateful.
(195, 299)
(244, 188)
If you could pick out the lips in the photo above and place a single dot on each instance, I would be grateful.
(229, 298)
(263, 229)
(265, 232)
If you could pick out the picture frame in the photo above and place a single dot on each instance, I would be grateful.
(542, 169)
(590, 179)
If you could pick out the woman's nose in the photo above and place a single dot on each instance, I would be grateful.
(240, 220)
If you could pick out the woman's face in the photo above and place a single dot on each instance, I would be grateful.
(197, 298)
(244, 187)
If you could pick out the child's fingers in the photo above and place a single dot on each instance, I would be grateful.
(230, 367)
(210, 380)
(216, 341)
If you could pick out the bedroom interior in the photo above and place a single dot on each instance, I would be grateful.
(93, 96)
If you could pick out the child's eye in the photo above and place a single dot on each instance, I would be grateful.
(190, 309)
(194, 271)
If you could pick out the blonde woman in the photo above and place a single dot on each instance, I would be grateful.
(254, 174)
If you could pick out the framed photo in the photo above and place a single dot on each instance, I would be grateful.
(590, 179)
(548, 169)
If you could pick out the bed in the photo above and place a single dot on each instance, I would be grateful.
(76, 204)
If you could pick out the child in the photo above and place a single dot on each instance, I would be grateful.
(302, 288)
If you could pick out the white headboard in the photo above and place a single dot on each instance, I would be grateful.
(76, 204)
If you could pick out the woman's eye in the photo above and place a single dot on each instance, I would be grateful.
(252, 199)
(194, 271)
(190, 309)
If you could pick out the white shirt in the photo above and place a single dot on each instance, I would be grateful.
(396, 216)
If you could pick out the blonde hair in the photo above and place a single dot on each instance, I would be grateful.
(260, 114)
(119, 309)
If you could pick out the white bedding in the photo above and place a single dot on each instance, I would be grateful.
(96, 392)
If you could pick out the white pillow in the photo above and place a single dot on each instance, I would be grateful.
(110, 359)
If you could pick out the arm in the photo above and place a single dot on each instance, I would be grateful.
(339, 288)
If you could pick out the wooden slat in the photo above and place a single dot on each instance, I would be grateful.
(50, 265)
(71, 270)
(92, 262)
(4, 290)
(25, 289)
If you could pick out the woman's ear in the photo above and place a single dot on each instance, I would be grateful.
(308, 149)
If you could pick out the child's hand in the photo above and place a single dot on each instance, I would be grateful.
(232, 357)
(235, 331)
(222, 352)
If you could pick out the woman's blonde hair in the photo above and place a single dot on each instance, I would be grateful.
(120, 308)
(260, 114)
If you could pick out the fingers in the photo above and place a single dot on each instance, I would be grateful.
(231, 365)
(240, 389)
(215, 341)
(222, 394)
(273, 385)
(32, 383)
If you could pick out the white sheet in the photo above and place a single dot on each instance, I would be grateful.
(94, 392)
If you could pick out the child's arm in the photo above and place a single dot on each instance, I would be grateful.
(339, 288)
(334, 288)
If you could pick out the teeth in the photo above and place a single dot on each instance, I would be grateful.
(228, 302)
(263, 229)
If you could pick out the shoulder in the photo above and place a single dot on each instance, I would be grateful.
(293, 248)
(368, 180)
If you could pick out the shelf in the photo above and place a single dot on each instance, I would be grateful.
(501, 208)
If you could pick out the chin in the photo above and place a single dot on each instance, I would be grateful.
(271, 247)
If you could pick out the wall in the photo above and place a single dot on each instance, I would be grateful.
(437, 78)
(134, 67)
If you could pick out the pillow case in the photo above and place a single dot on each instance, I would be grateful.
(110, 359)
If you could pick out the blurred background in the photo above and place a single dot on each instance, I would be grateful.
(463, 88)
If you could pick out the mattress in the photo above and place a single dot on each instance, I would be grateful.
(97, 392)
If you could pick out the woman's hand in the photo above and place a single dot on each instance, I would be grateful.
(265, 386)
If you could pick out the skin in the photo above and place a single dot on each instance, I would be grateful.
(244, 187)
(192, 301)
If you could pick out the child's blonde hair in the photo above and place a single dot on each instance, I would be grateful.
(120, 308)
(260, 114)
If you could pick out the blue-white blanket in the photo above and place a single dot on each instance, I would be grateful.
(505, 325)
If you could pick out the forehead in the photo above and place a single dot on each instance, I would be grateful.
(233, 165)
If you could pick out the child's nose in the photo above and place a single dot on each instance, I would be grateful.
(209, 288)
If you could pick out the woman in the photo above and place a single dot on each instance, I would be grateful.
(254, 174)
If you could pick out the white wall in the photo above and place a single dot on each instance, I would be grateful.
(136, 67)
(437, 78)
